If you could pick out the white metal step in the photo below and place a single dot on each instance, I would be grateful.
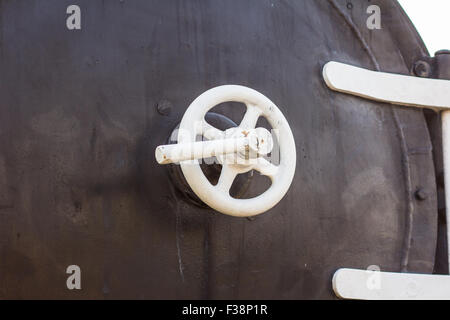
(388, 87)
(376, 285)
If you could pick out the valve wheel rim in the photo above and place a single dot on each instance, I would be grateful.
(218, 196)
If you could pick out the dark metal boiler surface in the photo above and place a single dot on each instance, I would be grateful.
(79, 124)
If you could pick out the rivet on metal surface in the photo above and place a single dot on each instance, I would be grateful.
(164, 107)
(421, 194)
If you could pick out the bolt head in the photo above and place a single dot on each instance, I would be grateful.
(164, 107)
(421, 194)
(422, 69)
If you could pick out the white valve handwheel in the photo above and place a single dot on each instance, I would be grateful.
(218, 197)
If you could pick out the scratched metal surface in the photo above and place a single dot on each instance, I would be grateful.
(78, 129)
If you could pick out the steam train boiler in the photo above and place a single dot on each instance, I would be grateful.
(238, 149)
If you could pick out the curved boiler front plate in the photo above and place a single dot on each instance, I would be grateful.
(82, 111)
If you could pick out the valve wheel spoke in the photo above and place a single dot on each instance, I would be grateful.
(251, 117)
(210, 132)
(226, 178)
(266, 168)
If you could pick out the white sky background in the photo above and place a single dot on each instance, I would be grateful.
(432, 20)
